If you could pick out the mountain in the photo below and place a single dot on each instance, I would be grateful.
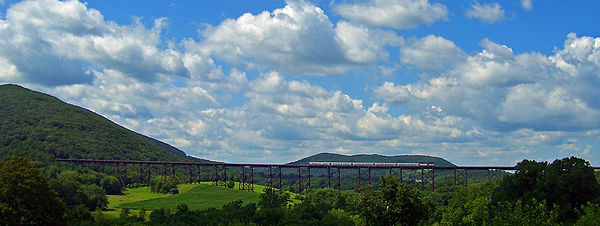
(330, 157)
(41, 127)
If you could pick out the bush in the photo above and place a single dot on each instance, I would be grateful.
(230, 184)
(111, 185)
(164, 185)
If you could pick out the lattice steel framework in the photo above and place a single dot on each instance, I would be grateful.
(246, 178)
(168, 170)
(143, 174)
(366, 171)
(219, 175)
(333, 177)
(397, 172)
(98, 167)
(122, 172)
(274, 180)
(303, 178)
(461, 177)
(427, 176)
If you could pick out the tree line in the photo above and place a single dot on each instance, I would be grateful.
(565, 191)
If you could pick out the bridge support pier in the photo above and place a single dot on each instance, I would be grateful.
(274, 180)
(427, 175)
(246, 178)
(122, 172)
(143, 174)
(461, 177)
(303, 178)
(219, 175)
(363, 171)
(397, 173)
(333, 177)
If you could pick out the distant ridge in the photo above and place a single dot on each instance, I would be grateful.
(331, 157)
(42, 127)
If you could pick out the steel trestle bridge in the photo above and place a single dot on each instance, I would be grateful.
(274, 175)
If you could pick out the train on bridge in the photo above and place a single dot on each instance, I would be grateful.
(371, 164)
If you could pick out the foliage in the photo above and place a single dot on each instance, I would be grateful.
(394, 203)
(26, 197)
(469, 205)
(198, 197)
(78, 215)
(111, 185)
(331, 157)
(165, 184)
(79, 188)
(524, 213)
(272, 198)
(567, 184)
(230, 184)
(590, 215)
(42, 127)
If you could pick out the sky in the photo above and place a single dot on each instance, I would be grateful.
(474, 82)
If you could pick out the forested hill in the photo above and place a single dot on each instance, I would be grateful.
(330, 157)
(41, 127)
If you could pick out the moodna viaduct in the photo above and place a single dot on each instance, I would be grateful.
(362, 171)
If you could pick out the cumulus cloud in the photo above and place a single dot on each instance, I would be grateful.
(432, 54)
(300, 33)
(489, 13)
(504, 91)
(527, 4)
(52, 42)
(399, 14)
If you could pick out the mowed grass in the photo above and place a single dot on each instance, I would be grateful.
(195, 196)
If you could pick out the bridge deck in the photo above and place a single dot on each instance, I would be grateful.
(285, 165)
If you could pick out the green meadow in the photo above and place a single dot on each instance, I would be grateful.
(197, 197)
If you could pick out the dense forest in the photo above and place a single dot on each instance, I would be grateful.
(41, 127)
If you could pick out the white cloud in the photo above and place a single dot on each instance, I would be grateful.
(300, 33)
(527, 4)
(63, 37)
(399, 14)
(393, 94)
(432, 54)
(500, 90)
(489, 13)
(492, 104)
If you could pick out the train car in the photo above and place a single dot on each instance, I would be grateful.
(371, 164)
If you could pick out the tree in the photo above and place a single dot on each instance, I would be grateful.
(566, 184)
(469, 205)
(111, 185)
(26, 197)
(394, 203)
(79, 188)
(272, 198)
(271, 204)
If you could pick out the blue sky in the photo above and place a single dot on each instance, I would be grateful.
(475, 82)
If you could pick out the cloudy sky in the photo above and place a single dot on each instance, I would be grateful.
(475, 82)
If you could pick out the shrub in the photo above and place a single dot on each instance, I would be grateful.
(164, 185)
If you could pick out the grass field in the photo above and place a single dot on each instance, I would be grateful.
(195, 196)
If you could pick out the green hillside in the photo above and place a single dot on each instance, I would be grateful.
(41, 127)
(330, 157)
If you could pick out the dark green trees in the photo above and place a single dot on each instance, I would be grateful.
(26, 197)
(566, 184)
(165, 185)
(393, 204)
